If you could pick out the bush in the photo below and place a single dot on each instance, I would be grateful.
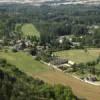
(14, 50)
(3, 62)
(6, 51)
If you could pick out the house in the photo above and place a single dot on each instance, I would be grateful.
(62, 64)
(12, 42)
(39, 48)
(91, 78)
(93, 27)
(71, 63)
(20, 45)
(58, 61)
(64, 67)
(62, 38)
(28, 43)
(76, 44)
(18, 41)
(60, 41)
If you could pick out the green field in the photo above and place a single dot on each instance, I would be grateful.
(79, 56)
(29, 29)
(24, 62)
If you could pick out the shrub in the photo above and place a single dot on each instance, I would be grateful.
(14, 50)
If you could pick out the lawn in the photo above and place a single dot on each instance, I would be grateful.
(79, 56)
(29, 29)
(24, 62)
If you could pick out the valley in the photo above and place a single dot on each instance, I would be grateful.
(50, 52)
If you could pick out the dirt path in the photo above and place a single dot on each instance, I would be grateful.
(79, 88)
(86, 81)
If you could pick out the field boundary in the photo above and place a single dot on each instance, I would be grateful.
(85, 81)
(92, 83)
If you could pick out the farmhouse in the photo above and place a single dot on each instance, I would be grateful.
(93, 27)
(74, 44)
(58, 61)
(62, 64)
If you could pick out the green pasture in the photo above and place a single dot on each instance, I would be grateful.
(30, 29)
(79, 56)
(24, 62)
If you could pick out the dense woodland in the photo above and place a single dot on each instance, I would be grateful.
(53, 22)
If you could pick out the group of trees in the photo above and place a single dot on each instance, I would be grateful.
(89, 67)
(16, 85)
(51, 21)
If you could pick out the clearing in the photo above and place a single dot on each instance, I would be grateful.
(79, 56)
(30, 29)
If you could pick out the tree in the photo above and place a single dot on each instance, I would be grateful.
(33, 51)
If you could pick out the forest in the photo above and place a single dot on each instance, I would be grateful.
(53, 22)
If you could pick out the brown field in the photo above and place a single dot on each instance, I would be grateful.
(81, 89)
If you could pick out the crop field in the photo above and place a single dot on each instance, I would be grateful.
(81, 89)
(24, 62)
(29, 29)
(79, 56)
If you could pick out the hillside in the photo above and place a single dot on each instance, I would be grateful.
(24, 62)
(16, 85)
